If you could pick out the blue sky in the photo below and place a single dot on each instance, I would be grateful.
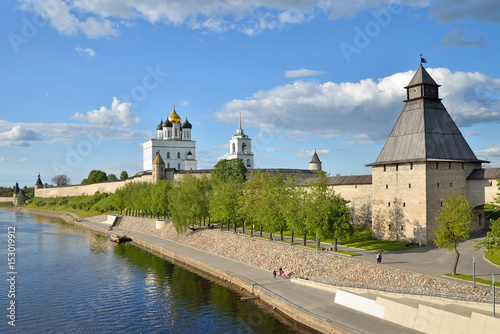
(85, 82)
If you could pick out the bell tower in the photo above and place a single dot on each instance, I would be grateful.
(240, 147)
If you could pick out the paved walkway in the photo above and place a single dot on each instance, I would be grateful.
(313, 300)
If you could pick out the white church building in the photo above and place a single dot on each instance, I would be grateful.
(240, 147)
(173, 143)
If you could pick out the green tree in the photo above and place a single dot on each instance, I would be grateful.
(124, 175)
(95, 176)
(294, 213)
(60, 180)
(112, 177)
(492, 240)
(188, 202)
(453, 224)
(229, 170)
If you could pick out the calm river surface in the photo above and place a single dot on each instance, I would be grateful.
(68, 280)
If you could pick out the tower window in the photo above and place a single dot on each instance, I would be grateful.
(168, 155)
(449, 165)
(390, 226)
(441, 204)
(385, 168)
(386, 186)
(397, 167)
(234, 148)
(409, 186)
(179, 166)
(451, 184)
(244, 148)
(178, 155)
(404, 204)
(168, 165)
(388, 203)
(411, 165)
(437, 165)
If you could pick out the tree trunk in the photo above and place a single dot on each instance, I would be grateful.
(243, 225)
(335, 244)
(292, 236)
(251, 228)
(305, 240)
(228, 224)
(270, 235)
(281, 231)
(235, 226)
(456, 260)
(261, 230)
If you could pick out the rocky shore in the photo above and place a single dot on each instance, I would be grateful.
(302, 262)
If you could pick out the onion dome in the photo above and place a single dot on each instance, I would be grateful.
(160, 126)
(167, 124)
(174, 118)
(186, 125)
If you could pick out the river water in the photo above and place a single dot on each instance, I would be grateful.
(59, 278)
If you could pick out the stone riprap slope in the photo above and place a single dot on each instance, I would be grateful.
(305, 263)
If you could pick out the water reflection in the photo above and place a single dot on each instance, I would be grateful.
(75, 281)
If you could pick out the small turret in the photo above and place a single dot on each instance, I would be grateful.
(158, 169)
(315, 163)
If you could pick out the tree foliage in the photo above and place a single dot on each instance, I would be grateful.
(229, 170)
(124, 175)
(492, 240)
(95, 176)
(453, 224)
(60, 180)
(112, 177)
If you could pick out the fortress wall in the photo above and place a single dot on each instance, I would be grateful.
(89, 189)
(482, 191)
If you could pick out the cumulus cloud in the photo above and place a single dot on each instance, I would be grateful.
(18, 136)
(364, 111)
(119, 114)
(104, 17)
(489, 153)
(457, 39)
(85, 52)
(303, 154)
(302, 73)
(484, 11)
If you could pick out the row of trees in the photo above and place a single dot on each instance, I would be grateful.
(267, 201)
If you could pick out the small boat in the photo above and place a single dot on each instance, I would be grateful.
(119, 239)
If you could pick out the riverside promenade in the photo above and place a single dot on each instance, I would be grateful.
(313, 305)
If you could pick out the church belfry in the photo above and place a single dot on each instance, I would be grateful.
(240, 147)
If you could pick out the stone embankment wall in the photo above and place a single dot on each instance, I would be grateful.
(323, 266)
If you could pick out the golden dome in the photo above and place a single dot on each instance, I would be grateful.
(174, 118)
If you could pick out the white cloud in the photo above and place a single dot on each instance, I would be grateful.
(18, 136)
(119, 114)
(489, 153)
(457, 39)
(104, 17)
(85, 52)
(364, 110)
(302, 73)
(303, 154)
(484, 11)
(2, 159)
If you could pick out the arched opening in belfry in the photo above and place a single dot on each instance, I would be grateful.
(244, 148)
(234, 148)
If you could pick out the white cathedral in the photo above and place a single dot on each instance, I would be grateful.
(173, 143)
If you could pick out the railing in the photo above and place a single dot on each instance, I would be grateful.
(409, 291)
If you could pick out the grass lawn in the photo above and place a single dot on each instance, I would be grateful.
(494, 256)
(363, 239)
(469, 278)
(83, 206)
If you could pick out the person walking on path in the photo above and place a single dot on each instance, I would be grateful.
(274, 273)
(379, 258)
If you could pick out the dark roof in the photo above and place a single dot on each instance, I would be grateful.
(484, 174)
(39, 181)
(160, 126)
(421, 77)
(315, 158)
(16, 189)
(349, 180)
(186, 125)
(167, 124)
(425, 131)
